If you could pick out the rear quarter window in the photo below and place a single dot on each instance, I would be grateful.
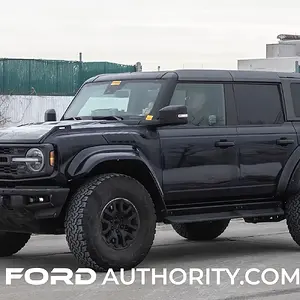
(295, 91)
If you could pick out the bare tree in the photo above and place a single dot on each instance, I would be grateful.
(4, 105)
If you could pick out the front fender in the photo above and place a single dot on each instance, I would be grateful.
(83, 163)
(86, 160)
(89, 158)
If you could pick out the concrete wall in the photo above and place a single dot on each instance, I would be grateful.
(282, 64)
(17, 110)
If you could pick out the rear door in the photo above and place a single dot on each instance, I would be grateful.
(265, 140)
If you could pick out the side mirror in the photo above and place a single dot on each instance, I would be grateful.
(173, 115)
(50, 115)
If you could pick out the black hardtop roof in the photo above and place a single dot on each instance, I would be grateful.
(200, 74)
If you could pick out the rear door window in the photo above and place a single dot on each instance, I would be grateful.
(258, 104)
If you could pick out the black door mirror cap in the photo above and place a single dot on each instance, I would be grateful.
(173, 115)
(50, 115)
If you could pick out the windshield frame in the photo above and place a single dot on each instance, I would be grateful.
(153, 112)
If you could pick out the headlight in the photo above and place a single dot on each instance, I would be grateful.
(35, 160)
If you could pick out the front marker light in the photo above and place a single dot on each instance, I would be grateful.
(51, 159)
(34, 160)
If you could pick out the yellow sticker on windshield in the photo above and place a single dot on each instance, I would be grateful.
(115, 83)
(149, 117)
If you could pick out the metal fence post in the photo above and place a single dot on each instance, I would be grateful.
(80, 70)
(29, 77)
(3, 77)
(297, 70)
(57, 77)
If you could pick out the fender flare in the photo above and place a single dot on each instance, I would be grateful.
(289, 181)
(86, 160)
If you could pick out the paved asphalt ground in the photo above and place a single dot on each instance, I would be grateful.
(241, 246)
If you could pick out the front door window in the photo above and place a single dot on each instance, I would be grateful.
(205, 103)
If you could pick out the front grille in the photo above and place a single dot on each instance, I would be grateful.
(3, 159)
(8, 169)
(5, 150)
(12, 150)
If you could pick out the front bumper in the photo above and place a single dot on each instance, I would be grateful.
(40, 202)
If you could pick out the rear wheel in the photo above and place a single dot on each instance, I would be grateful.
(292, 211)
(110, 223)
(202, 231)
(12, 242)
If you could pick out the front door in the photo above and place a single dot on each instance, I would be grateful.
(200, 159)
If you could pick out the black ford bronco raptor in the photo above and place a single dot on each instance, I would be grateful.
(191, 148)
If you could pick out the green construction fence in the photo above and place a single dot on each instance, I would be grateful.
(51, 77)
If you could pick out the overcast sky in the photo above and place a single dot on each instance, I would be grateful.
(169, 33)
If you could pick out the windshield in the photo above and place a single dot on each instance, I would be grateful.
(114, 98)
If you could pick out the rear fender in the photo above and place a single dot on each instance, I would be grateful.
(289, 181)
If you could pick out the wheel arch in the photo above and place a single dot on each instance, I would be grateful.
(289, 181)
(122, 160)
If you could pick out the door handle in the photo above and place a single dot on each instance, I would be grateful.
(224, 144)
(284, 142)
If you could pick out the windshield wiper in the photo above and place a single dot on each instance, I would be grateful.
(72, 118)
(117, 118)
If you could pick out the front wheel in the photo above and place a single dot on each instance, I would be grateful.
(201, 231)
(12, 242)
(110, 223)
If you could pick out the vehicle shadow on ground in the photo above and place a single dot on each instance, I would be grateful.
(188, 251)
(162, 255)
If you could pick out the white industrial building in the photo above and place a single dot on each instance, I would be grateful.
(281, 57)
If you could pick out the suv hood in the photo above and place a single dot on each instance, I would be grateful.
(36, 132)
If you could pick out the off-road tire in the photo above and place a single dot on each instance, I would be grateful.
(202, 231)
(292, 212)
(82, 223)
(12, 242)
